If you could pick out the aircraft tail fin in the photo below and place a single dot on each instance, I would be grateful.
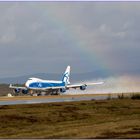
(66, 76)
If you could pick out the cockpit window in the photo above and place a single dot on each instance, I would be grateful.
(30, 79)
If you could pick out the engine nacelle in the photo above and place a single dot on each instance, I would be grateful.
(83, 87)
(16, 90)
(62, 90)
(24, 91)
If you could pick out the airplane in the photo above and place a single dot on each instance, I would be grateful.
(50, 87)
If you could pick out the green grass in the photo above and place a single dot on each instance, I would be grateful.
(85, 119)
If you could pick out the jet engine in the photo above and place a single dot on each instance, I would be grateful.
(24, 91)
(16, 90)
(62, 90)
(83, 87)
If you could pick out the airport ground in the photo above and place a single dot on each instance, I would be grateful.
(112, 118)
(4, 89)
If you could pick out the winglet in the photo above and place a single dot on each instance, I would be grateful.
(10, 85)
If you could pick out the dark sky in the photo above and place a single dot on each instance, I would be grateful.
(38, 37)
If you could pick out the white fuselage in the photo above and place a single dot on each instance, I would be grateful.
(40, 83)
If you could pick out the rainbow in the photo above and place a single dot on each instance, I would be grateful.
(91, 54)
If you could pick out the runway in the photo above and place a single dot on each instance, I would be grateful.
(50, 99)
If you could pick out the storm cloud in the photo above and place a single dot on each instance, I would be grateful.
(45, 37)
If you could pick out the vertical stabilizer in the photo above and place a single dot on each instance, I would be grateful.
(66, 76)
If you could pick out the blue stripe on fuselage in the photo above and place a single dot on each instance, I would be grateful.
(45, 85)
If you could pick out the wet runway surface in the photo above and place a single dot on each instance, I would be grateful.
(50, 99)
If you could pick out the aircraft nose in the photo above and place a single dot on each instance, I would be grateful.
(27, 84)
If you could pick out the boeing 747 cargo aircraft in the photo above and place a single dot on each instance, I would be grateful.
(36, 85)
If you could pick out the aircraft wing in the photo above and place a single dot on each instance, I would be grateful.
(40, 89)
(17, 87)
(83, 84)
(45, 89)
(56, 88)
